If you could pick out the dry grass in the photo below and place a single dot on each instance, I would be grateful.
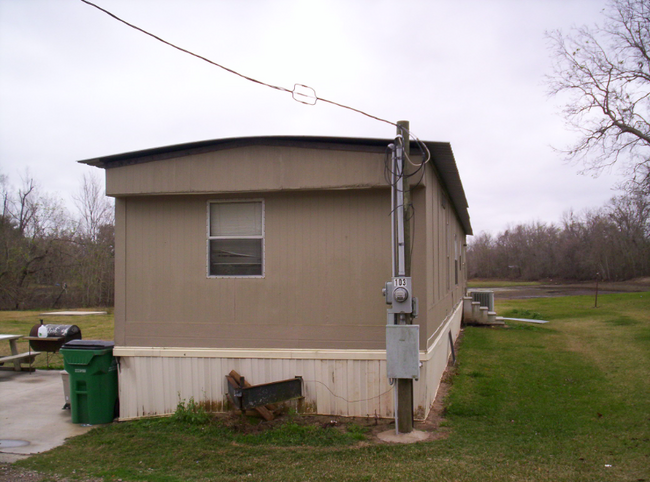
(93, 327)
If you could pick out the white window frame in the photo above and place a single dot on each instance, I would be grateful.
(210, 238)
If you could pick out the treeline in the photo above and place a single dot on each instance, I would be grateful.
(610, 243)
(49, 258)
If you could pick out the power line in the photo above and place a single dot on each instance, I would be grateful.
(345, 399)
(297, 92)
(283, 89)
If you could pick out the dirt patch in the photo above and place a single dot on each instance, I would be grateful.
(250, 424)
(9, 473)
(433, 423)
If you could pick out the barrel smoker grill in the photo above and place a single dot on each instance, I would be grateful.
(57, 335)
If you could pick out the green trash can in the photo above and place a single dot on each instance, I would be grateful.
(93, 380)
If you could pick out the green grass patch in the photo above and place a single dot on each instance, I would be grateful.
(191, 413)
(93, 327)
(167, 449)
(565, 401)
(522, 313)
(291, 434)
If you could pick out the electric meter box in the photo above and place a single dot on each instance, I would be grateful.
(400, 292)
(403, 351)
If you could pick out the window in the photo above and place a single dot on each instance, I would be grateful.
(236, 238)
(456, 258)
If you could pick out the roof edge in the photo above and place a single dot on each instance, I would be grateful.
(442, 157)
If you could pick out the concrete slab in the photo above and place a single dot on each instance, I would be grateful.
(403, 438)
(30, 411)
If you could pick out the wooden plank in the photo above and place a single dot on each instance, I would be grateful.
(237, 377)
(263, 411)
(232, 382)
(20, 356)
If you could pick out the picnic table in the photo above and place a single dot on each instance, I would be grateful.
(17, 358)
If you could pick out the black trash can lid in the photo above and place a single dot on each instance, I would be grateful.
(89, 344)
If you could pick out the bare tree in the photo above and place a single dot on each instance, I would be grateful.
(612, 242)
(605, 73)
(95, 240)
(95, 208)
(480, 257)
(33, 229)
(49, 258)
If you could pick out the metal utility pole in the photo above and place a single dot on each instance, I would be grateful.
(404, 131)
(402, 337)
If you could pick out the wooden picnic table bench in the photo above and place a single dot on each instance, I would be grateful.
(17, 358)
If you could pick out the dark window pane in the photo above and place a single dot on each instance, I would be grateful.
(236, 257)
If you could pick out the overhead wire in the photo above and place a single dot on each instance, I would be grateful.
(295, 92)
(302, 97)
(389, 174)
(251, 79)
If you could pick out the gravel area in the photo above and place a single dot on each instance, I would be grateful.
(9, 473)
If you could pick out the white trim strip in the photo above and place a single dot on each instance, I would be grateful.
(269, 353)
(277, 353)
(443, 327)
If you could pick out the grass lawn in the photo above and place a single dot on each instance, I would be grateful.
(93, 327)
(564, 401)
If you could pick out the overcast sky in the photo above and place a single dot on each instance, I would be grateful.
(76, 84)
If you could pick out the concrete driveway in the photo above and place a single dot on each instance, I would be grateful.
(31, 418)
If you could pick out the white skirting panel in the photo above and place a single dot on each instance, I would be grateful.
(353, 383)
(437, 358)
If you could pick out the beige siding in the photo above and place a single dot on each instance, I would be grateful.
(120, 271)
(327, 256)
(442, 229)
(342, 382)
(418, 263)
(250, 169)
(317, 312)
